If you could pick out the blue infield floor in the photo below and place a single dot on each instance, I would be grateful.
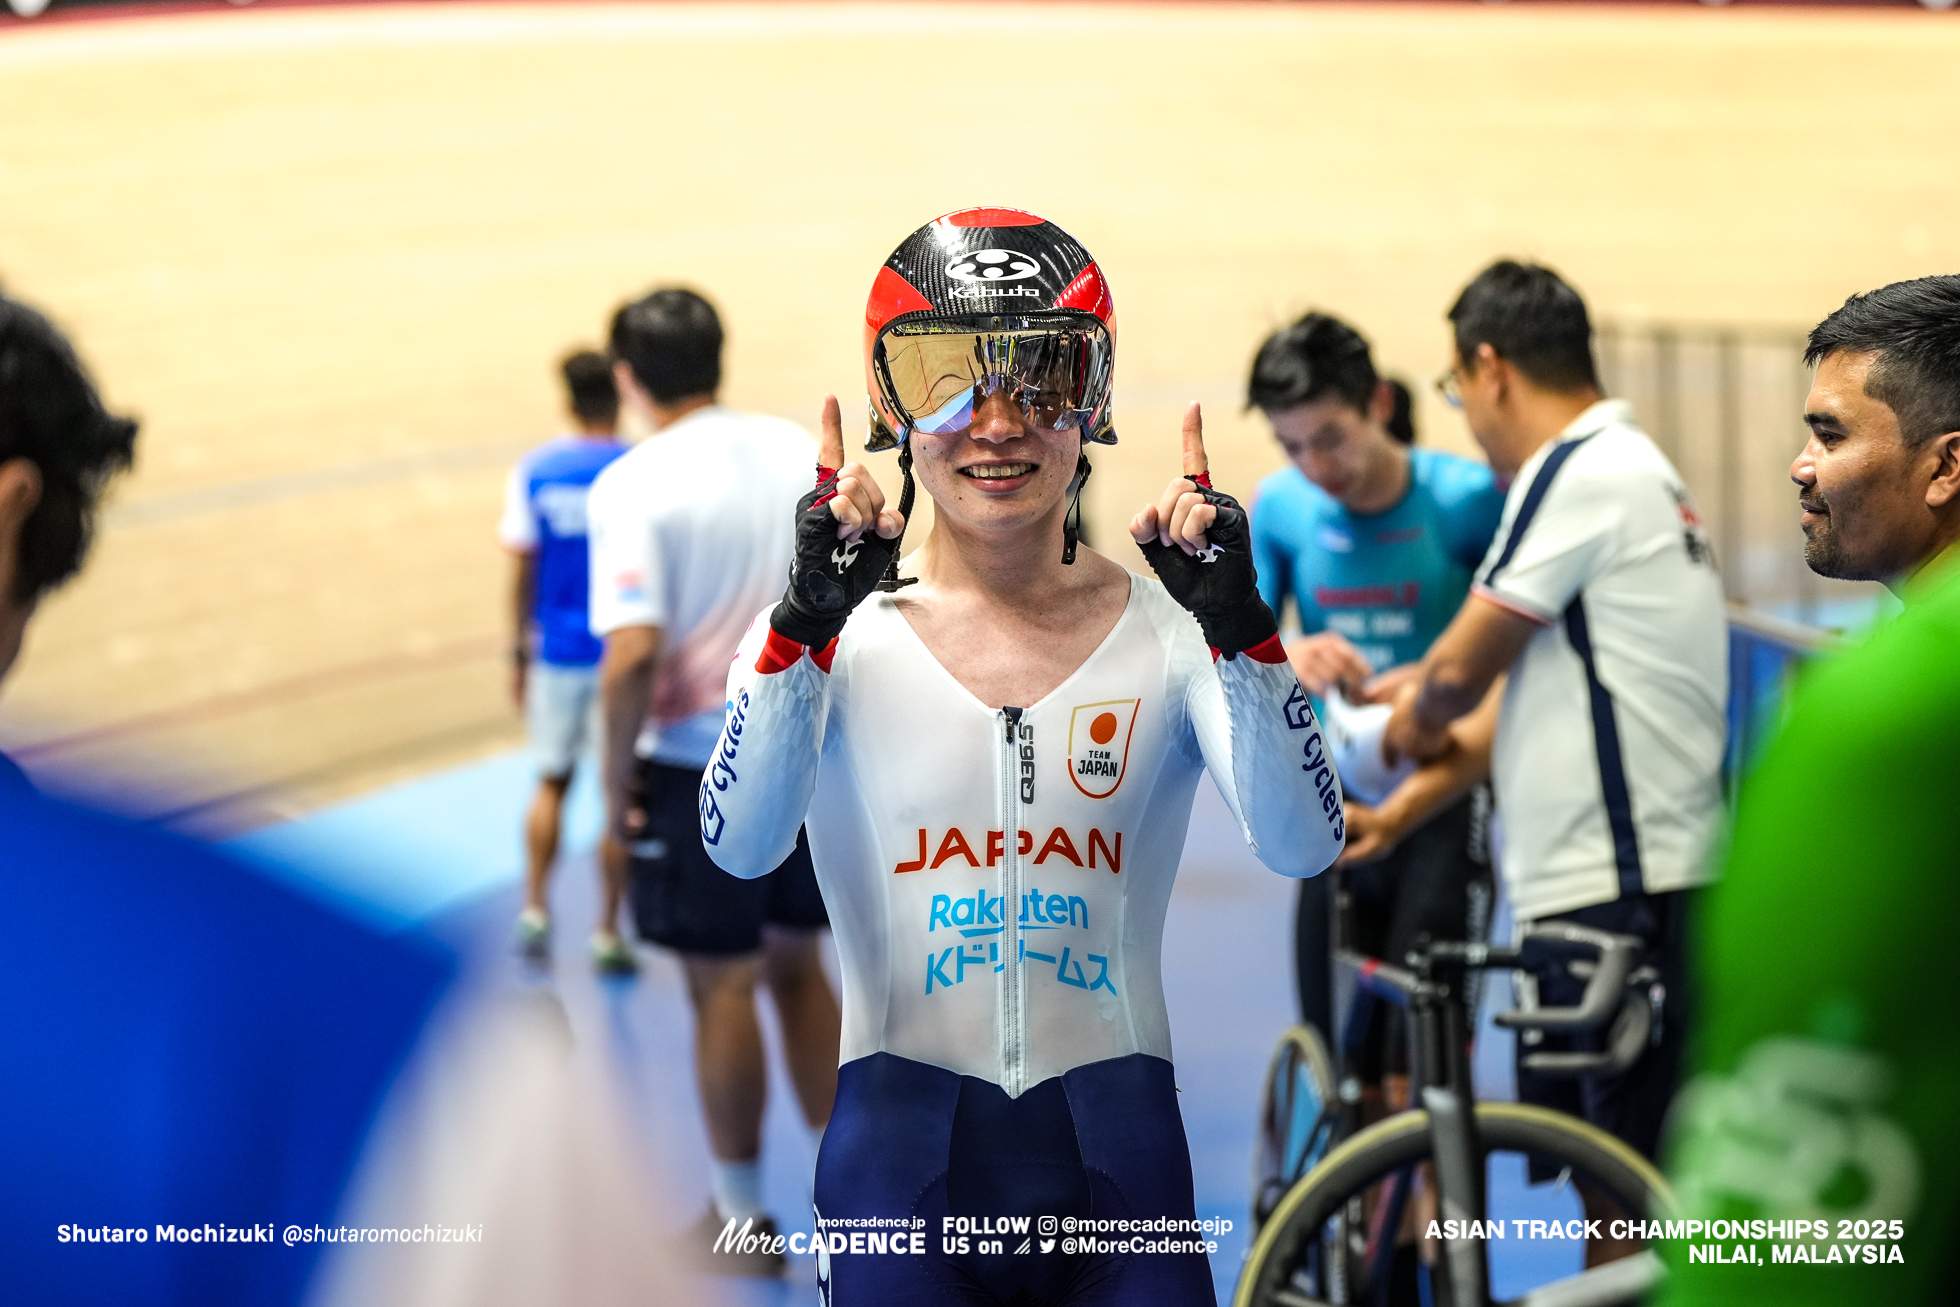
(442, 853)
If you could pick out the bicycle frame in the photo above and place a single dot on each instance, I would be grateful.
(1440, 1071)
(1434, 994)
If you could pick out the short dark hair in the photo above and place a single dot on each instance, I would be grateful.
(1317, 356)
(1914, 328)
(1401, 422)
(51, 415)
(671, 339)
(589, 381)
(1533, 319)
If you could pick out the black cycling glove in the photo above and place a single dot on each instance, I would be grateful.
(1218, 585)
(829, 577)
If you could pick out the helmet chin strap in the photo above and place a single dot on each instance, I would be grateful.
(892, 580)
(1072, 522)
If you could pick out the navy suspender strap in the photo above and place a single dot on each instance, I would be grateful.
(1612, 760)
(1533, 497)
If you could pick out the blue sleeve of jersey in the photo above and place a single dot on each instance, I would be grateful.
(183, 1041)
(1270, 557)
(1471, 504)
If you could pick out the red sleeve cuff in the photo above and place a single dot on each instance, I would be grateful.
(779, 653)
(1269, 651)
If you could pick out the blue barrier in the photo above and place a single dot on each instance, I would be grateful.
(1765, 654)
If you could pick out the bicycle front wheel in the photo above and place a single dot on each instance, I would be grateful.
(1298, 1118)
(1303, 1258)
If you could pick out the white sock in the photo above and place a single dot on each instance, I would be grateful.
(737, 1187)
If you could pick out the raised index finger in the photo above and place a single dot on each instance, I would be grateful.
(830, 450)
(1195, 463)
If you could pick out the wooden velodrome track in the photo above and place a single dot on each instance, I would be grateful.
(329, 256)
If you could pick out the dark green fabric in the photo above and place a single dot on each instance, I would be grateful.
(1833, 930)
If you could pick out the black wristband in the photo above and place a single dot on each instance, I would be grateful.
(812, 630)
(1234, 632)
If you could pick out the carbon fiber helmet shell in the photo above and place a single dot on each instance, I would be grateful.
(1048, 280)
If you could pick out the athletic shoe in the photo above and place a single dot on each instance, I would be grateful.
(706, 1247)
(613, 956)
(533, 933)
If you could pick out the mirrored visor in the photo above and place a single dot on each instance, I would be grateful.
(934, 380)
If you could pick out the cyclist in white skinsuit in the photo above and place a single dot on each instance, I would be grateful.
(997, 874)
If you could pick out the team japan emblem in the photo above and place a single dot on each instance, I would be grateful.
(1099, 745)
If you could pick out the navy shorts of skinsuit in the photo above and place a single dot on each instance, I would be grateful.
(1102, 1142)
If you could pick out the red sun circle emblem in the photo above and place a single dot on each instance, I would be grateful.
(1103, 729)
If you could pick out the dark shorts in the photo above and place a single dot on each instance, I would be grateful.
(1436, 882)
(683, 901)
(912, 1144)
(1629, 1106)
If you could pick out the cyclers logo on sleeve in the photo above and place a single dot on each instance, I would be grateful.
(721, 772)
(1318, 765)
(1099, 745)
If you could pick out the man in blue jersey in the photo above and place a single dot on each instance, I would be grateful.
(555, 657)
(1375, 543)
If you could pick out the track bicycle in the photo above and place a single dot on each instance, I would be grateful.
(1331, 1238)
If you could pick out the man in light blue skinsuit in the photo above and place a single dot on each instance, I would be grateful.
(1375, 542)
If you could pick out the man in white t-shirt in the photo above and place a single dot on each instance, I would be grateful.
(691, 534)
(1600, 596)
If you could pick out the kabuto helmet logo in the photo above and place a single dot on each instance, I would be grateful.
(1099, 745)
(991, 265)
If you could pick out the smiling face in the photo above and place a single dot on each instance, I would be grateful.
(1860, 487)
(1002, 474)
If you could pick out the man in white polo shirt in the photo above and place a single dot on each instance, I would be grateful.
(691, 536)
(1600, 596)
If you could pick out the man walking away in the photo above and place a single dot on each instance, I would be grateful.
(691, 535)
(554, 658)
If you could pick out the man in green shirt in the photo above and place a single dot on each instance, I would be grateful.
(1829, 1062)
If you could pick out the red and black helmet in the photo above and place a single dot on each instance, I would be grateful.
(985, 297)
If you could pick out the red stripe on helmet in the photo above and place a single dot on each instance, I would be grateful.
(990, 218)
(891, 295)
(1088, 291)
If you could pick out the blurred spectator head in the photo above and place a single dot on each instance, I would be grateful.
(589, 385)
(670, 341)
(1879, 478)
(58, 448)
(1315, 380)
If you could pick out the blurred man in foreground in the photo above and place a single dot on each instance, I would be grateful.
(181, 1042)
(1829, 1053)
(202, 1068)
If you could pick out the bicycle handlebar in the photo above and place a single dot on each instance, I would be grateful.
(1605, 991)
